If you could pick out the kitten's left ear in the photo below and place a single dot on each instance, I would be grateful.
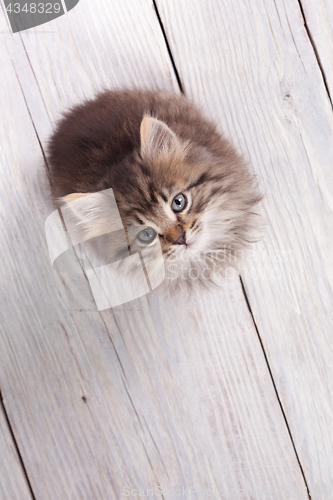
(156, 137)
(71, 197)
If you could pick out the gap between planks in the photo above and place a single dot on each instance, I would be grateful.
(11, 432)
(274, 385)
(177, 74)
(315, 50)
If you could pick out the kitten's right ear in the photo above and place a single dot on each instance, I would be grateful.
(156, 138)
(71, 197)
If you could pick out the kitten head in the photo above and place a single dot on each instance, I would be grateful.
(197, 203)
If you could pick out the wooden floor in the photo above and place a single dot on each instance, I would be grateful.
(228, 395)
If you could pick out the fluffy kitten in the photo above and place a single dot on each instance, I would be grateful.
(170, 171)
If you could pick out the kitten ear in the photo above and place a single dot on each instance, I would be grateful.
(72, 197)
(156, 137)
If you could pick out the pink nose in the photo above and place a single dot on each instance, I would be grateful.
(181, 240)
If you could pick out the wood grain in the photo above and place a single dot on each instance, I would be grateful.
(13, 483)
(252, 67)
(154, 392)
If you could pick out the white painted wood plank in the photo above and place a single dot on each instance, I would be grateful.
(319, 19)
(252, 67)
(13, 483)
(148, 394)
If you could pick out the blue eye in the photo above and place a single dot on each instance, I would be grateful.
(147, 235)
(179, 203)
